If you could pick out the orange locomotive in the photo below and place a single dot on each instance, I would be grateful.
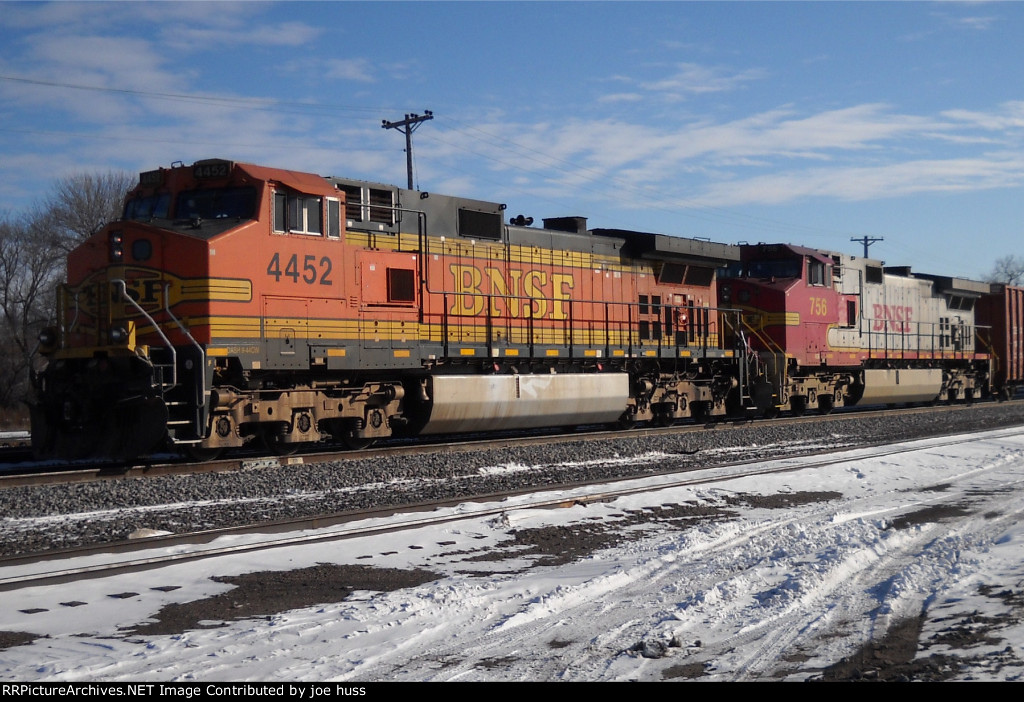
(235, 303)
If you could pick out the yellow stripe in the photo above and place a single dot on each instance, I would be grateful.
(352, 331)
(776, 319)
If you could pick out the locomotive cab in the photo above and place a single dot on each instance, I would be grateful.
(148, 300)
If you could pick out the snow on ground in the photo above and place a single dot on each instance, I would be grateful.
(769, 577)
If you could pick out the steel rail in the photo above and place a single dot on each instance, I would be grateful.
(65, 474)
(347, 525)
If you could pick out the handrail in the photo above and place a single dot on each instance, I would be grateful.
(768, 342)
(156, 327)
(202, 353)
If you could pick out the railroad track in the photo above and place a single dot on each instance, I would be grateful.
(70, 565)
(51, 474)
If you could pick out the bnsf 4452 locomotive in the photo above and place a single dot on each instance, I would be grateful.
(235, 303)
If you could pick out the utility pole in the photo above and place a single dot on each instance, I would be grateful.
(867, 241)
(407, 126)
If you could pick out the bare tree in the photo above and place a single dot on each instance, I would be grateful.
(33, 248)
(82, 203)
(1007, 269)
(30, 270)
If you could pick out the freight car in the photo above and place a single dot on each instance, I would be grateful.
(1001, 313)
(235, 303)
(831, 329)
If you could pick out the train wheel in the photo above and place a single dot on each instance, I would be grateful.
(626, 421)
(701, 412)
(825, 404)
(798, 405)
(273, 443)
(202, 455)
(356, 443)
(664, 419)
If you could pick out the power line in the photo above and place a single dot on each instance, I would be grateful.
(190, 142)
(655, 198)
(407, 126)
(267, 104)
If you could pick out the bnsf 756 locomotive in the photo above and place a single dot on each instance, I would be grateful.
(832, 329)
(236, 303)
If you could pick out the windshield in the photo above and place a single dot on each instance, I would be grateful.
(773, 268)
(216, 203)
(784, 268)
(148, 207)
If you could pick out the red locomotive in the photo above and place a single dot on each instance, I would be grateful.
(831, 329)
(236, 303)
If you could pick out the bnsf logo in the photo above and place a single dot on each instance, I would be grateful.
(895, 318)
(148, 288)
(548, 290)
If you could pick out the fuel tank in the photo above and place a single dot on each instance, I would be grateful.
(464, 403)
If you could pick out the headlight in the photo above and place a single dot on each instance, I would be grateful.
(48, 336)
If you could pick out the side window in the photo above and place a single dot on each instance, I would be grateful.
(297, 213)
(314, 215)
(815, 272)
(280, 212)
(333, 218)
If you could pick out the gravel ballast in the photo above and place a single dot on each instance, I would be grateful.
(48, 517)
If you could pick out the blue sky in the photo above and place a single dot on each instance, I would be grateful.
(811, 123)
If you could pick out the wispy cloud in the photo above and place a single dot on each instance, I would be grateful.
(357, 69)
(867, 151)
(976, 22)
(692, 78)
(621, 97)
(859, 183)
(681, 81)
(216, 38)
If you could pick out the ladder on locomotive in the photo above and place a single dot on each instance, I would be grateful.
(181, 385)
(180, 389)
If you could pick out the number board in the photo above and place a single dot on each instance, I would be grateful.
(151, 179)
(205, 170)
